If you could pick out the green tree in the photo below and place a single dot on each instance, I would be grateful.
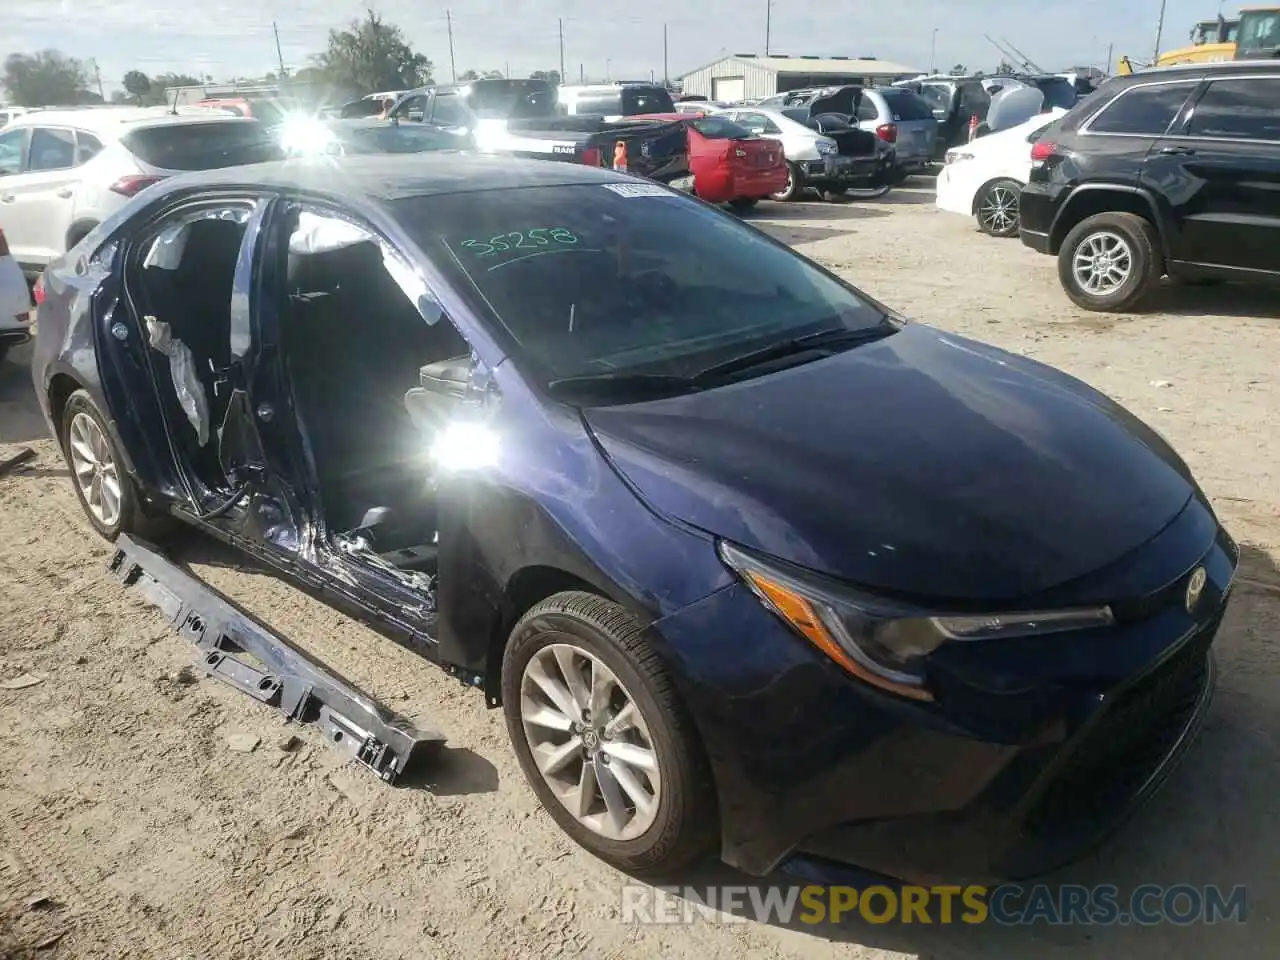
(469, 75)
(45, 78)
(959, 69)
(138, 85)
(551, 75)
(372, 55)
(494, 75)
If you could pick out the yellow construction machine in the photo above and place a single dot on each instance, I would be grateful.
(1253, 34)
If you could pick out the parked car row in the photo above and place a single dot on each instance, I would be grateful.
(1172, 172)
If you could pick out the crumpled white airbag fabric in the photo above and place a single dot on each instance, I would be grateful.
(182, 368)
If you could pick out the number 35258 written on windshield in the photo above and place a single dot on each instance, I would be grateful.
(534, 238)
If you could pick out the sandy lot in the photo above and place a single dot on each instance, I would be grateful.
(121, 802)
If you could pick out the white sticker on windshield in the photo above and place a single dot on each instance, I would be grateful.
(638, 189)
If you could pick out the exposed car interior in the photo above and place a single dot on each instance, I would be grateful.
(356, 351)
(180, 281)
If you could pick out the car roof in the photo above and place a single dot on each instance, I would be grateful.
(383, 178)
(1225, 67)
(116, 121)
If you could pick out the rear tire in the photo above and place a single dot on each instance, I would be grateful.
(571, 642)
(996, 208)
(743, 203)
(107, 493)
(795, 184)
(1110, 261)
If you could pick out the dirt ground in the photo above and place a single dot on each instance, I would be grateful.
(121, 802)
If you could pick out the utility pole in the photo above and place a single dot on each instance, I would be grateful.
(506, 69)
(933, 52)
(768, 24)
(561, 51)
(279, 53)
(666, 74)
(453, 66)
(97, 76)
(582, 73)
(1155, 57)
(1110, 47)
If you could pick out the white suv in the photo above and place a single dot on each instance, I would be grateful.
(63, 171)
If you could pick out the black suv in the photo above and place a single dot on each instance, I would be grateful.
(1173, 171)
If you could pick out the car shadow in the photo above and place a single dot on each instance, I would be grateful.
(846, 209)
(20, 418)
(1212, 823)
(1223, 300)
(910, 194)
(457, 772)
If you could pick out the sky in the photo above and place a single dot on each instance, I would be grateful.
(227, 38)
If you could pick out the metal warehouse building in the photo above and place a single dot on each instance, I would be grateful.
(745, 76)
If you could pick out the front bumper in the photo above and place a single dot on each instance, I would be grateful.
(954, 192)
(1035, 750)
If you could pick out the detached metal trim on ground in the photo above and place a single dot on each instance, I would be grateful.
(238, 650)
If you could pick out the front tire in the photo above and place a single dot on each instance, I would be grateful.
(996, 208)
(603, 739)
(742, 204)
(1110, 261)
(795, 184)
(107, 493)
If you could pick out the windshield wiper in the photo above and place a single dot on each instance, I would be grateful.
(624, 383)
(838, 337)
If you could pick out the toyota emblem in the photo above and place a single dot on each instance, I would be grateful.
(1195, 587)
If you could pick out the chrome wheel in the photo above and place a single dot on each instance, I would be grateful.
(590, 742)
(95, 469)
(998, 211)
(1102, 263)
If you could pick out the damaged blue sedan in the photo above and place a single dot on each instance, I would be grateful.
(753, 566)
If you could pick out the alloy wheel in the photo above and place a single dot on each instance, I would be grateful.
(1102, 263)
(95, 469)
(590, 741)
(999, 210)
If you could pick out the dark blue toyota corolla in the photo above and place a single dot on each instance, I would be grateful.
(751, 564)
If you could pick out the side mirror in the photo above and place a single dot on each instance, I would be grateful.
(447, 378)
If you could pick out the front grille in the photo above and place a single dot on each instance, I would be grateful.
(1124, 745)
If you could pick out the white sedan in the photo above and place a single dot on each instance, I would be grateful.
(15, 301)
(982, 179)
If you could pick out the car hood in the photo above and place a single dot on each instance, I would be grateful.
(922, 464)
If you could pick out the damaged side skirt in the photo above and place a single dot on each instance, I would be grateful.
(281, 675)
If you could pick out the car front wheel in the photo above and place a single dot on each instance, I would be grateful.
(1110, 261)
(603, 738)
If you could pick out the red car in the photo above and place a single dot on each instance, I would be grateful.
(729, 163)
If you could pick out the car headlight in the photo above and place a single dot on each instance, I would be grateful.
(956, 156)
(826, 147)
(883, 642)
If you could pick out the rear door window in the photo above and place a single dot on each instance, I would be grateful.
(1245, 108)
(867, 110)
(607, 103)
(449, 111)
(52, 149)
(1143, 111)
(203, 146)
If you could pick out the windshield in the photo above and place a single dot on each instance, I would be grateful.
(1259, 32)
(203, 146)
(1058, 92)
(938, 97)
(397, 138)
(624, 278)
(905, 105)
(719, 128)
(511, 99)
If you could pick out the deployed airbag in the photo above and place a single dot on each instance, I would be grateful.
(182, 369)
